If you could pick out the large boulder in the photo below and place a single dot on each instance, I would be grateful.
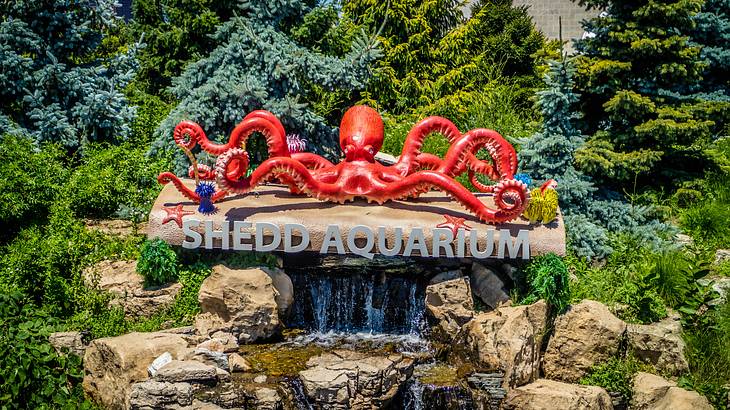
(487, 285)
(155, 395)
(508, 340)
(239, 301)
(652, 392)
(112, 364)
(552, 395)
(285, 289)
(450, 303)
(345, 379)
(659, 344)
(187, 371)
(120, 278)
(587, 334)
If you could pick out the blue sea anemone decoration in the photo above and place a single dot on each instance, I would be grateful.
(205, 190)
(524, 178)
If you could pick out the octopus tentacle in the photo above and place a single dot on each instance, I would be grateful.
(511, 197)
(188, 134)
(167, 177)
(270, 117)
(312, 161)
(414, 141)
(204, 172)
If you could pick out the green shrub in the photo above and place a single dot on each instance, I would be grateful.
(708, 354)
(547, 278)
(118, 181)
(33, 375)
(616, 375)
(157, 262)
(31, 180)
(709, 221)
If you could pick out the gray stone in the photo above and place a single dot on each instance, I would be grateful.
(445, 276)
(487, 285)
(154, 395)
(722, 255)
(659, 344)
(160, 361)
(237, 363)
(209, 357)
(220, 342)
(187, 371)
(71, 342)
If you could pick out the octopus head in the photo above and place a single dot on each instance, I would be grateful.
(361, 134)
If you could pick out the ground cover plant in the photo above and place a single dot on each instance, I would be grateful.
(640, 151)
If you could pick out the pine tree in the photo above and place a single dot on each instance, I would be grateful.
(635, 69)
(52, 86)
(255, 65)
(434, 58)
(712, 33)
(590, 214)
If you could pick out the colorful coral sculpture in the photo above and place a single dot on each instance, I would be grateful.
(359, 175)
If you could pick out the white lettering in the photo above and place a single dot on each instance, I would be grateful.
(397, 241)
(197, 239)
(474, 245)
(239, 234)
(521, 241)
(288, 230)
(416, 239)
(211, 233)
(366, 250)
(275, 240)
(332, 237)
(442, 239)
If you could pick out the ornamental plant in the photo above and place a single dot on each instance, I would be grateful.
(547, 278)
(157, 262)
(52, 87)
(255, 65)
(635, 70)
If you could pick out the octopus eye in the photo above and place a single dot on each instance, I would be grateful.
(371, 150)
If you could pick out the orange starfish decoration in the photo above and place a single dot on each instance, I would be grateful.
(454, 223)
(175, 214)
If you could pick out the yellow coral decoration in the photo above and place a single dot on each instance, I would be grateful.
(543, 205)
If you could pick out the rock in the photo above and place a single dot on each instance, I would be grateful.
(186, 371)
(659, 344)
(260, 379)
(242, 302)
(236, 363)
(683, 240)
(115, 227)
(487, 285)
(267, 399)
(508, 340)
(220, 342)
(722, 255)
(548, 394)
(153, 395)
(112, 364)
(489, 387)
(161, 360)
(450, 304)
(445, 276)
(587, 334)
(345, 379)
(223, 376)
(71, 342)
(719, 284)
(209, 357)
(283, 285)
(652, 392)
(121, 279)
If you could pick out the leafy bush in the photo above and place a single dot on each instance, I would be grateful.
(157, 262)
(31, 180)
(547, 278)
(116, 181)
(616, 375)
(34, 376)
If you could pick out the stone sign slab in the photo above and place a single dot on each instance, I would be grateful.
(272, 219)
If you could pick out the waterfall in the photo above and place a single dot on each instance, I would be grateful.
(357, 300)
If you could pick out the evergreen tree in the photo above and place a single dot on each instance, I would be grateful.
(635, 68)
(257, 66)
(52, 87)
(590, 214)
(712, 33)
(433, 58)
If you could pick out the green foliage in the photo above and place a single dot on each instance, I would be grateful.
(114, 181)
(52, 86)
(616, 375)
(34, 376)
(635, 77)
(151, 110)
(547, 278)
(709, 356)
(30, 183)
(432, 56)
(709, 219)
(157, 262)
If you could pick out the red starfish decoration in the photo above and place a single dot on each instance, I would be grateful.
(175, 214)
(454, 223)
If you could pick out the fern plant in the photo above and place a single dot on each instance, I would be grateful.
(547, 278)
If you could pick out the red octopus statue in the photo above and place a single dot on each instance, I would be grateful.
(359, 175)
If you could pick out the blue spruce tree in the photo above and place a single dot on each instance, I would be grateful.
(255, 65)
(590, 214)
(52, 88)
(712, 33)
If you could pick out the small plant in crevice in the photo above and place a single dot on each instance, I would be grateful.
(547, 278)
(157, 262)
(616, 375)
